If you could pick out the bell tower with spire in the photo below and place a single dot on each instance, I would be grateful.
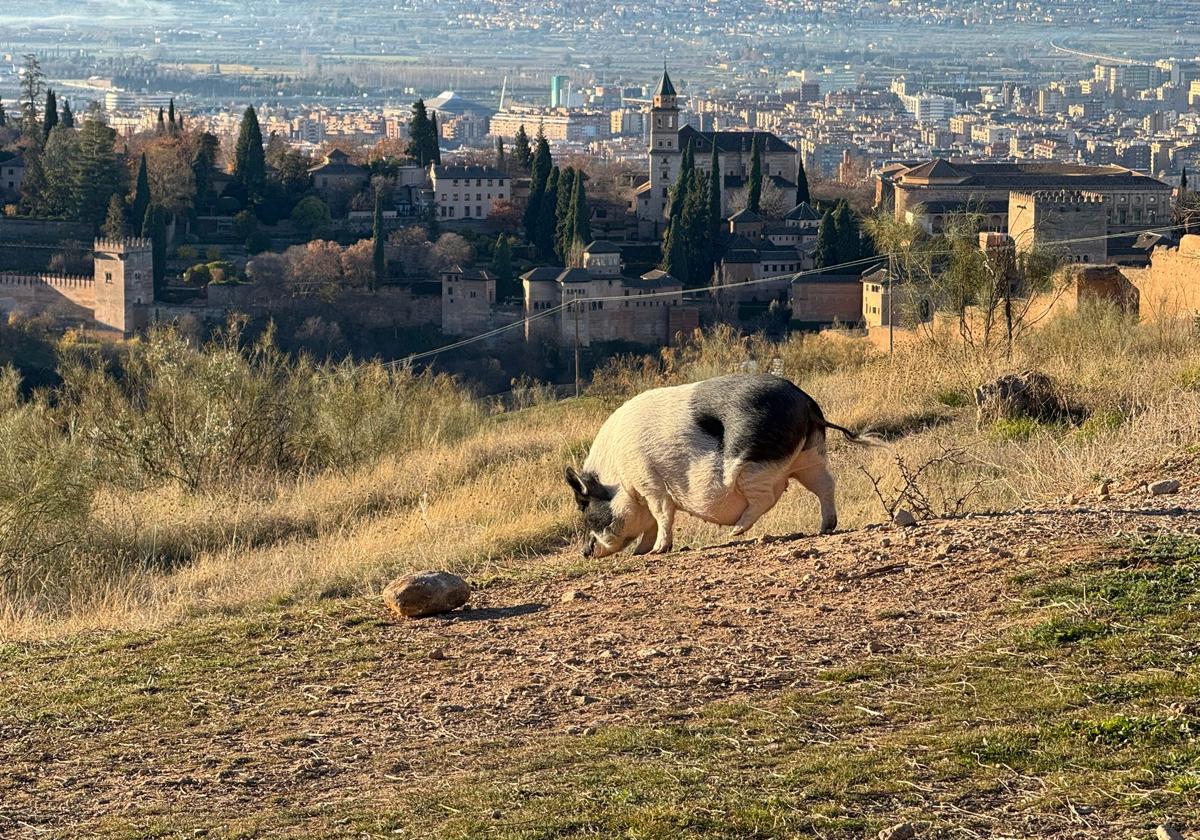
(664, 150)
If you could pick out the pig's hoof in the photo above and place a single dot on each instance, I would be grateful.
(738, 531)
(662, 549)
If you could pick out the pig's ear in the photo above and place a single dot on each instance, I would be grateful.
(578, 486)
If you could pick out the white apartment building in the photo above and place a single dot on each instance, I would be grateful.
(468, 192)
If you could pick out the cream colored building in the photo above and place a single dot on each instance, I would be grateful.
(467, 192)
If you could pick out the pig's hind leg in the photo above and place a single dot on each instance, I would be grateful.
(758, 485)
(649, 538)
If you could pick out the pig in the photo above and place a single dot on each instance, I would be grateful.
(722, 450)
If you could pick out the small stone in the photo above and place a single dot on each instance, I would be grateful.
(885, 542)
(1105, 488)
(437, 654)
(1166, 832)
(903, 518)
(1164, 487)
(585, 700)
(574, 595)
(650, 653)
(426, 593)
(900, 831)
(877, 647)
(1027, 552)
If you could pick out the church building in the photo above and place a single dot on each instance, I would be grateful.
(668, 139)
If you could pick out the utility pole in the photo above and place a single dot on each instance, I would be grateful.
(577, 303)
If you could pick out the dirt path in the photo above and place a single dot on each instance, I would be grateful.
(646, 639)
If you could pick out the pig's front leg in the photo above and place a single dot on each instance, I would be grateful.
(663, 511)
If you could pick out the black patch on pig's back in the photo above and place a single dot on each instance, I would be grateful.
(754, 417)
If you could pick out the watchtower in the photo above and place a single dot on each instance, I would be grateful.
(124, 277)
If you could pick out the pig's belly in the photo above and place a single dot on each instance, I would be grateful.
(706, 495)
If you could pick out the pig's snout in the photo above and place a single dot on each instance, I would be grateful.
(589, 546)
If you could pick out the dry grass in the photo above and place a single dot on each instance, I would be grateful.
(488, 502)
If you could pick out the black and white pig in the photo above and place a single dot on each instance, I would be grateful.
(722, 450)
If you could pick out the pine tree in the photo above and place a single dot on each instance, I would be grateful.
(140, 201)
(97, 173)
(827, 242)
(802, 194)
(754, 190)
(59, 157)
(50, 114)
(378, 254)
(564, 224)
(714, 196)
(249, 159)
(31, 92)
(33, 185)
(67, 120)
(521, 149)
(502, 268)
(581, 223)
(114, 221)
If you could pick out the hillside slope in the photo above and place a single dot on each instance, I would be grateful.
(1029, 673)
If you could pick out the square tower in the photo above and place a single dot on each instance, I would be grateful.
(664, 149)
(124, 278)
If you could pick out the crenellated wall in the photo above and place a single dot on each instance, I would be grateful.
(69, 297)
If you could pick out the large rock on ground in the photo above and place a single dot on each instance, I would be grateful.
(1016, 395)
(426, 593)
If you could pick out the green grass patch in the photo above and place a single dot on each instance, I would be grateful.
(1014, 428)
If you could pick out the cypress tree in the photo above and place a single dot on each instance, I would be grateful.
(802, 194)
(714, 196)
(249, 159)
(564, 227)
(540, 173)
(422, 136)
(521, 149)
(33, 185)
(827, 242)
(171, 115)
(435, 148)
(50, 115)
(675, 253)
(67, 120)
(114, 221)
(845, 226)
(154, 228)
(378, 255)
(694, 224)
(547, 208)
(3, 115)
(141, 194)
(500, 153)
(754, 191)
(162, 122)
(683, 181)
(1182, 180)
(581, 223)
(502, 268)
(203, 163)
